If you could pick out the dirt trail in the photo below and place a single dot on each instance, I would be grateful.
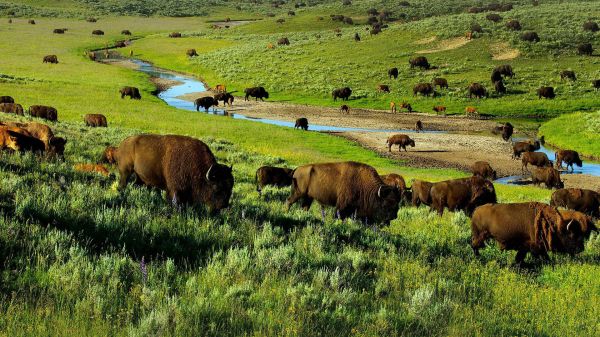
(503, 51)
(447, 44)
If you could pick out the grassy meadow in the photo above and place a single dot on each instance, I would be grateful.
(79, 258)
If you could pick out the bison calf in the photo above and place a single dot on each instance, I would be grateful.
(273, 176)
(301, 123)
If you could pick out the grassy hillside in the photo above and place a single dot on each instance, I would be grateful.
(575, 132)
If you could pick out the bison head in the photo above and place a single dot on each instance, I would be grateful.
(572, 230)
(57, 146)
(220, 186)
(411, 143)
(387, 204)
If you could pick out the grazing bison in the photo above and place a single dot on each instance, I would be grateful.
(50, 59)
(42, 111)
(568, 74)
(546, 92)
(205, 102)
(191, 52)
(538, 159)
(424, 89)
(273, 176)
(343, 93)
(26, 142)
(383, 88)
(132, 92)
(577, 199)
(356, 37)
(530, 37)
(421, 192)
(91, 20)
(499, 87)
(301, 123)
(494, 17)
(183, 166)
(174, 34)
(484, 170)
(440, 82)
(31, 22)
(596, 84)
(59, 31)
(420, 62)
(439, 109)
(462, 194)
(108, 155)
(477, 90)
(418, 126)
(95, 120)
(345, 108)
(397, 181)
(256, 92)
(505, 70)
(6, 99)
(284, 41)
(471, 110)
(585, 49)
(530, 227)
(120, 44)
(520, 147)
(591, 26)
(97, 32)
(548, 176)
(393, 73)
(125, 32)
(507, 131)
(352, 188)
(225, 97)
(53, 145)
(496, 76)
(12, 108)
(570, 157)
(401, 140)
(406, 106)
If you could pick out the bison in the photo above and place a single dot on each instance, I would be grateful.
(397, 181)
(477, 90)
(507, 131)
(538, 159)
(424, 89)
(6, 99)
(9, 140)
(345, 108)
(585, 49)
(393, 72)
(274, 176)
(52, 145)
(108, 155)
(383, 88)
(205, 102)
(546, 92)
(352, 188)
(59, 31)
(530, 227)
(440, 82)
(97, 32)
(421, 192)
(401, 140)
(95, 120)
(462, 194)
(568, 74)
(577, 199)
(301, 123)
(125, 32)
(549, 176)
(45, 112)
(596, 84)
(505, 70)
(224, 97)
(183, 166)
(132, 92)
(418, 126)
(484, 170)
(591, 26)
(530, 37)
(499, 87)
(256, 92)
(439, 109)
(174, 34)
(191, 52)
(284, 41)
(12, 108)
(53, 59)
(570, 157)
(406, 106)
(343, 93)
(496, 76)
(92, 168)
(520, 147)
(420, 62)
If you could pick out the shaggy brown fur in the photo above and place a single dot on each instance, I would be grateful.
(483, 169)
(274, 176)
(538, 159)
(547, 175)
(582, 200)
(421, 192)
(462, 194)
(45, 112)
(95, 120)
(13, 108)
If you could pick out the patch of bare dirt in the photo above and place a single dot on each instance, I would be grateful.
(503, 51)
(229, 24)
(163, 84)
(447, 44)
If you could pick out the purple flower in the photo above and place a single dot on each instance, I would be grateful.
(323, 213)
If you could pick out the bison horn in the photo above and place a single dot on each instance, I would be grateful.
(208, 172)
(569, 225)
(379, 191)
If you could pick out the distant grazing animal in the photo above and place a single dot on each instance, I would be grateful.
(95, 120)
(440, 82)
(471, 110)
(464, 194)
(494, 17)
(513, 25)
(499, 87)
(183, 166)
(175, 34)
(375, 31)
(505, 70)
(273, 176)
(58, 31)
(284, 41)
(42, 111)
(591, 26)
(577, 199)
(383, 88)
(256, 92)
(496, 76)
(393, 107)
(538, 159)
(9, 20)
(469, 35)
(570, 157)
(91, 19)
(12, 108)
(345, 108)
(548, 176)
(354, 189)
(224, 97)
(301, 123)
(439, 109)
(421, 192)
(418, 126)
(270, 46)
(477, 90)
(25, 141)
(220, 88)
(191, 52)
(356, 37)
(92, 168)
(585, 49)
(530, 227)
(50, 59)
(393, 72)
(121, 44)
(484, 170)
(596, 84)
(31, 22)
(401, 140)
(546, 92)
(97, 32)
(397, 181)
(132, 92)
(53, 145)
(125, 32)
(205, 102)
(530, 37)
(406, 106)
(343, 93)
(108, 156)
(507, 132)
(425, 89)
(568, 74)
(420, 62)
(6, 99)
(520, 147)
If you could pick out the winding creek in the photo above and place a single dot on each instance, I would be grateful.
(191, 85)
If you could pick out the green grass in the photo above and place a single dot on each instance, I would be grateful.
(577, 131)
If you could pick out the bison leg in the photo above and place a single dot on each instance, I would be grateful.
(306, 203)
(520, 258)
(124, 174)
(296, 195)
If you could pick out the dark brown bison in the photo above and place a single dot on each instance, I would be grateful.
(59, 31)
(97, 32)
(570, 157)
(401, 140)
(205, 102)
(424, 89)
(8, 140)
(256, 92)
(95, 120)
(50, 59)
(344, 108)
(191, 52)
(440, 82)
(343, 93)
(568, 74)
(42, 111)
(538, 159)
(577, 199)
(484, 170)
(91, 20)
(420, 62)
(546, 92)
(273, 176)
(356, 37)
(418, 126)
(224, 97)
(548, 176)
(591, 26)
(284, 41)
(505, 70)
(499, 87)
(464, 194)
(125, 32)
(406, 106)
(120, 44)
(25, 141)
(393, 72)
(31, 22)
(383, 88)
(520, 147)
(596, 84)
(132, 92)
(585, 49)
(477, 90)
(397, 181)
(507, 131)
(352, 188)
(301, 123)
(6, 99)
(513, 25)
(530, 227)
(175, 34)
(421, 192)
(530, 37)
(12, 108)
(494, 17)
(496, 76)
(183, 166)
